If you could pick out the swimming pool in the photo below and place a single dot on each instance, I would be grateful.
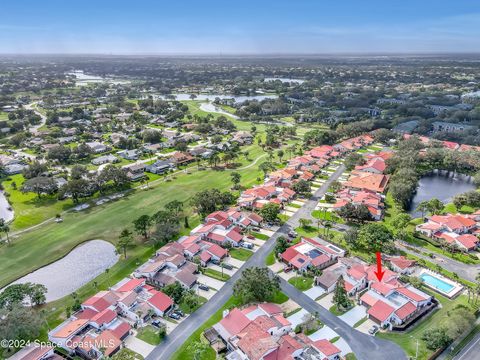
(436, 283)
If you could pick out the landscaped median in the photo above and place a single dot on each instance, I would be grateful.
(216, 274)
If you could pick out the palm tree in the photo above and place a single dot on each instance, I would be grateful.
(328, 225)
(107, 270)
(5, 228)
(214, 159)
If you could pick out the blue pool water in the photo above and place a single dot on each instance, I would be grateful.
(436, 283)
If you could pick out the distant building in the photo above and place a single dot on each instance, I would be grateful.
(441, 126)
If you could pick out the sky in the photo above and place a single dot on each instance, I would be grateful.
(225, 27)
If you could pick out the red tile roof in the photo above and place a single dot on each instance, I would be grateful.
(402, 262)
(104, 317)
(161, 301)
(121, 330)
(131, 284)
(326, 347)
(406, 310)
(235, 322)
(381, 311)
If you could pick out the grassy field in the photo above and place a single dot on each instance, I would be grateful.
(302, 283)
(149, 335)
(30, 210)
(240, 254)
(327, 215)
(407, 340)
(54, 240)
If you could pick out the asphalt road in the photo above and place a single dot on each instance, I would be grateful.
(180, 334)
(465, 271)
(471, 351)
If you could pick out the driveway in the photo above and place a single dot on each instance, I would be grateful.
(266, 232)
(206, 294)
(343, 346)
(326, 302)
(277, 267)
(324, 333)
(235, 262)
(225, 271)
(257, 242)
(315, 292)
(287, 276)
(364, 327)
(139, 346)
(297, 318)
(210, 282)
(354, 315)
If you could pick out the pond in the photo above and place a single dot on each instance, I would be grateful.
(77, 268)
(6, 212)
(443, 185)
(83, 79)
(211, 97)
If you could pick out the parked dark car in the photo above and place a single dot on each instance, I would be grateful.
(157, 323)
(174, 316)
(203, 287)
(227, 266)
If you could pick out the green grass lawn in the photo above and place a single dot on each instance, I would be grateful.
(407, 340)
(216, 274)
(187, 309)
(29, 209)
(270, 259)
(106, 221)
(240, 254)
(302, 283)
(149, 335)
(452, 209)
(333, 309)
(260, 236)
(327, 215)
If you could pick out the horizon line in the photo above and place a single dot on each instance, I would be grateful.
(248, 54)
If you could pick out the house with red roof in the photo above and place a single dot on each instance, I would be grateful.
(361, 180)
(374, 165)
(327, 349)
(160, 303)
(460, 230)
(402, 265)
(309, 253)
(390, 303)
(372, 200)
(260, 332)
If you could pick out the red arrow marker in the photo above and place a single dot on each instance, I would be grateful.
(379, 273)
